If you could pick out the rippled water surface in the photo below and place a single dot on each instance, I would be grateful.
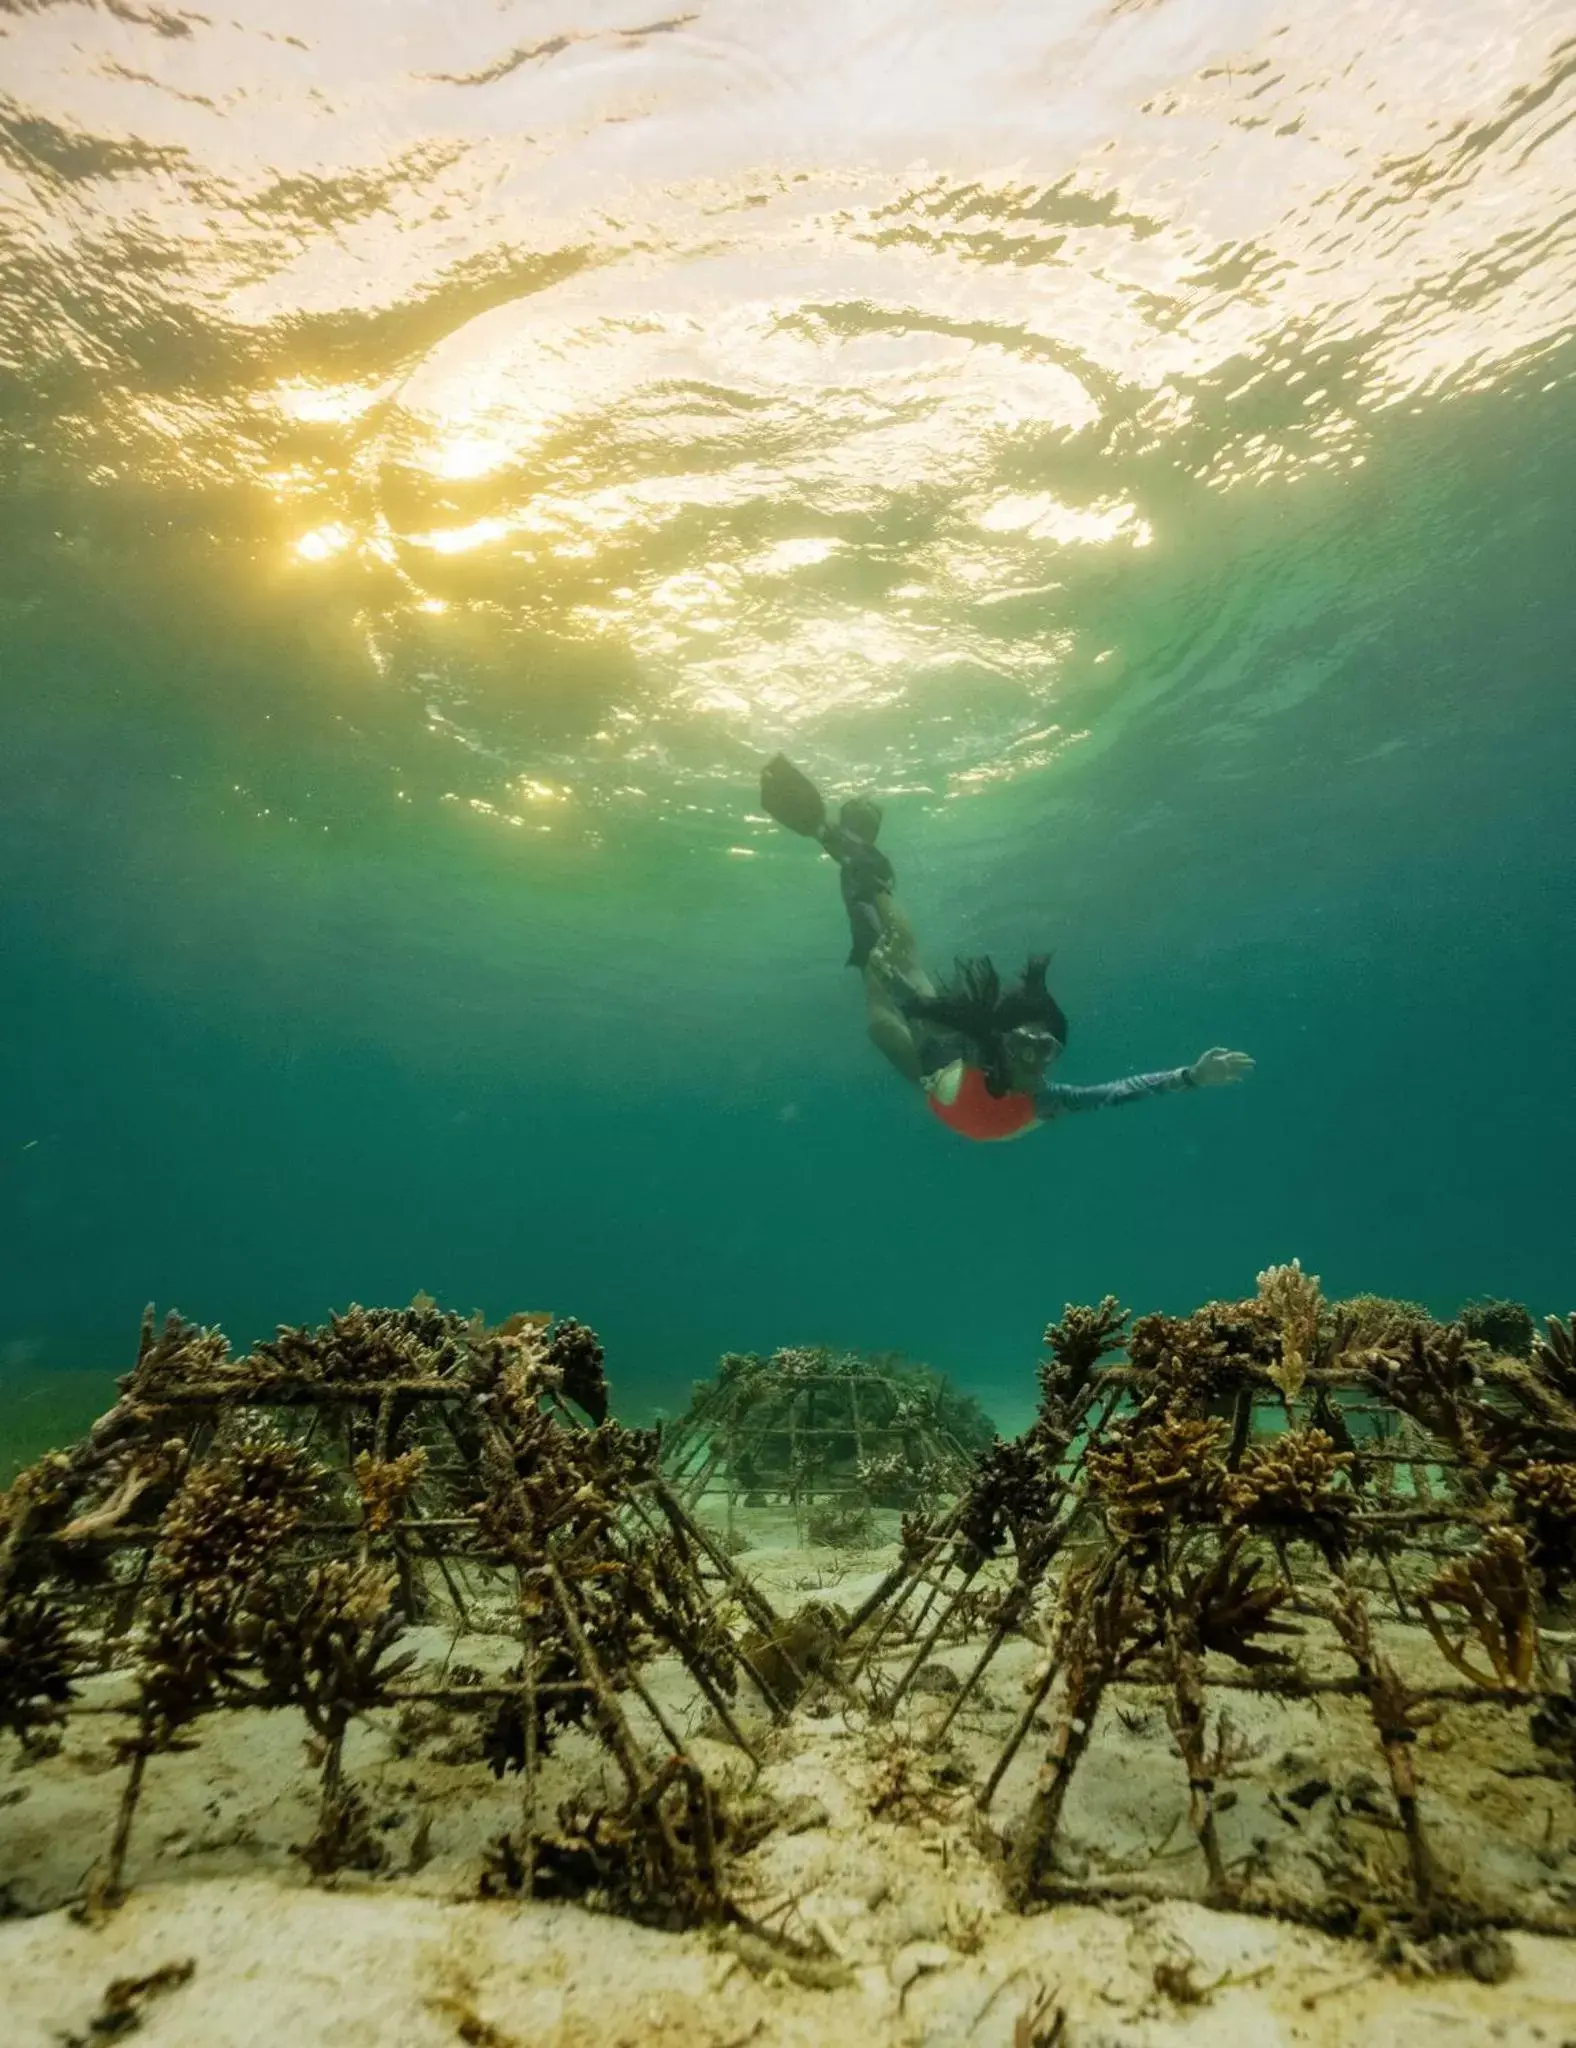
(444, 449)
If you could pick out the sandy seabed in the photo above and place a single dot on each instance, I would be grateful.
(876, 1855)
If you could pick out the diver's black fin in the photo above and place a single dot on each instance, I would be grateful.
(792, 798)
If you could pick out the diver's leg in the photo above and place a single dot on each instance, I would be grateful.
(891, 1037)
(899, 948)
(894, 960)
(883, 944)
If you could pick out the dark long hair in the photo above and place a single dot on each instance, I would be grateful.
(975, 1005)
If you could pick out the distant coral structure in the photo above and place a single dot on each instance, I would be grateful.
(829, 1434)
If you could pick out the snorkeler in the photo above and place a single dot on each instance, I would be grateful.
(980, 1053)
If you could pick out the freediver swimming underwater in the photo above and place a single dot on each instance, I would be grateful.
(981, 1054)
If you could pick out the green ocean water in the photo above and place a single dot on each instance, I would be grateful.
(442, 456)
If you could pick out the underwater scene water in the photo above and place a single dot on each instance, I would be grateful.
(447, 452)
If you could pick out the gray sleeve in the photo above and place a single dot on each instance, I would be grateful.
(1055, 1100)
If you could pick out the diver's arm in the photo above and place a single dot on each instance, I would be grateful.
(1212, 1069)
(1057, 1100)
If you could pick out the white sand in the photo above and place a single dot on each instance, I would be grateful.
(352, 1967)
(908, 1898)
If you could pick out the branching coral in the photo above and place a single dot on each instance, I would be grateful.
(1397, 1715)
(564, 1359)
(237, 1570)
(1493, 1588)
(38, 1660)
(1376, 1322)
(1219, 1608)
(176, 1355)
(543, 1482)
(654, 1860)
(143, 1470)
(33, 1508)
(244, 1592)
(574, 1353)
(589, 1635)
(1111, 1622)
(662, 1587)
(1545, 1497)
(1147, 1479)
(1432, 1376)
(1544, 1390)
(596, 1598)
(221, 1531)
(1505, 1326)
(421, 1342)
(896, 1479)
(1292, 1297)
(224, 1527)
(802, 1647)
(385, 1484)
(321, 1641)
(1554, 1356)
(1231, 1610)
(1018, 1490)
(41, 1494)
(1186, 1363)
(1077, 1344)
(562, 1700)
(1287, 1488)
(233, 1512)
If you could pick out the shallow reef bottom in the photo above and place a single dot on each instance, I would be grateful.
(377, 1687)
(876, 1859)
(922, 1951)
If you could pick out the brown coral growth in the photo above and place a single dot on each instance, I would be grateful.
(261, 1532)
(1135, 1549)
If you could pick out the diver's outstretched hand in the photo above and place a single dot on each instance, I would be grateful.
(1214, 1068)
